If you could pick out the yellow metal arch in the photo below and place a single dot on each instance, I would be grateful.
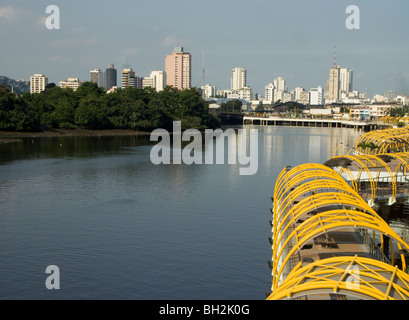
(367, 163)
(388, 140)
(351, 276)
(316, 187)
(312, 199)
(325, 222)
(380, 163)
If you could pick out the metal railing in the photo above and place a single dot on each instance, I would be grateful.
(375, 252)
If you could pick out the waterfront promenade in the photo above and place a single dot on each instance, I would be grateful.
(329, 240)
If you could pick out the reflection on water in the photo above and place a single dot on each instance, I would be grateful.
(120, 227)
(66, 147)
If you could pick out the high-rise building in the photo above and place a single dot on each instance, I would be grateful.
(269, 93)
(129, 79)
(279, 89)
(98, 76)
(178, 69)
(345, 80)
(332, 90)
(238, 78)
(38, 82)
(110, 77)
(72, 83)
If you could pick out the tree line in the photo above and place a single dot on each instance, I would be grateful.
(90, 107)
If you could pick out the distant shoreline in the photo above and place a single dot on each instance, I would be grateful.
(11, 136)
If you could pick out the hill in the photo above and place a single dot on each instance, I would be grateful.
(17, 86)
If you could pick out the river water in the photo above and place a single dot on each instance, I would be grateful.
(119, 227)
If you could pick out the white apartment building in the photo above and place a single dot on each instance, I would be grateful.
(72, 83)
(156, 80)
(297, 93)
(224, 93)
(279, 89)
(286, 97)
(38, 82)
(147, 82)
(159, 80)
(238, 78)
(269, 93)
(245, 93)
(316, 96)
(345, 80)
(208, 91)
(304, 97)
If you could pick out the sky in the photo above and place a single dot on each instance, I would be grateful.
(293, 39)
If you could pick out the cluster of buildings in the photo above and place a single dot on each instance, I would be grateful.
(178, 74)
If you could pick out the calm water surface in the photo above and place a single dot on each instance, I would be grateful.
(119, 227)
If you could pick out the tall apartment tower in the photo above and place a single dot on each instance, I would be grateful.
(110, 77)
(279, 88)
(332, 90)
(38, 82)
(178, 69)
(269, 93)
(238, 78)
(345, 80)
(98, 76)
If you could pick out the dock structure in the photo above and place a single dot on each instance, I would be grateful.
(328, 242)
(308, 122)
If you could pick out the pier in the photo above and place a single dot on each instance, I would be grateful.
(308, 122)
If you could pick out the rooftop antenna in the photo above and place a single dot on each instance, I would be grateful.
(203, 74)
(335, 57)
(127, 66)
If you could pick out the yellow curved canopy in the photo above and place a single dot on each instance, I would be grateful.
(351, 276)
(316, 189)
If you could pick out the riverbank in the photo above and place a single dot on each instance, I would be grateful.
(10, 137)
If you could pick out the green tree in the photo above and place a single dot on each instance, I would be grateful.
(7, 104)
(90, 114)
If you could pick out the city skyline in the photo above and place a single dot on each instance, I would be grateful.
(263, 40)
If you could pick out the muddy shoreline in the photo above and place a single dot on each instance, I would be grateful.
(11, 137)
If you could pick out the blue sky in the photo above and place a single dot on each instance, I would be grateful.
(293, 39)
